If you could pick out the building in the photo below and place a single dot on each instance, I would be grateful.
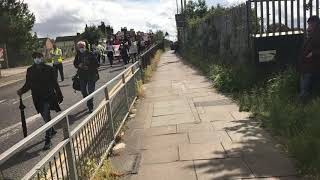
(46, 44)
(67, 44)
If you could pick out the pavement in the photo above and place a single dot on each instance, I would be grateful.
(185, 130)
(10, 125)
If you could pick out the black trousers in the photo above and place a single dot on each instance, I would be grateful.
(59, 67)
(110, 57)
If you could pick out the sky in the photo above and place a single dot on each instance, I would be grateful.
(67, 17)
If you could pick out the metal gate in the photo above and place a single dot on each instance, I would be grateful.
(276, 17)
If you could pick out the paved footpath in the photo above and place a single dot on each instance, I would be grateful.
(185, 130)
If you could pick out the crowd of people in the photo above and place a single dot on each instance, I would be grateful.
(42, 79)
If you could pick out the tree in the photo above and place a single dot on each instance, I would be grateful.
(92, 34)
(16, 24)
(159, 36)
(196, 9)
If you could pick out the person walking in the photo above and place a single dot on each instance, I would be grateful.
(124, 54)
(87, 66)
(56, 55)
(45, 90)
(310, 64)
(110, 52)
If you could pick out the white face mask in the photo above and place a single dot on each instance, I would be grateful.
(81, 50)
(37, 60)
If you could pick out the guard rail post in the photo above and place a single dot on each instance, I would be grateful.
(69, 150)
(125, 90)
(109, 109)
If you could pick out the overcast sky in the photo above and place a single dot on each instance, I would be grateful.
(66, 17)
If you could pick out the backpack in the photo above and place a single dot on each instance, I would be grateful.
(76, 83)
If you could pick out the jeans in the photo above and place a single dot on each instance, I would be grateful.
(87, 87)
(305, 85)
(59, 67)
(46, 117)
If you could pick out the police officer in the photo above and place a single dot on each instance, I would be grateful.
(56, 55)
(46, 93)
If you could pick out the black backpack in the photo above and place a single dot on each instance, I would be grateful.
(76, 83)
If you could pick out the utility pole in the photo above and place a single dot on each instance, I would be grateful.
(181, 6)
(177, 6)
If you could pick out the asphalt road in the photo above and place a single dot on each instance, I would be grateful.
(10, 126)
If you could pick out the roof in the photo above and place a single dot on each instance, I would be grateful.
(43, 41)
(65, 38)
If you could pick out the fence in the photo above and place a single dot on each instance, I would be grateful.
(273, 17)
(90, 142)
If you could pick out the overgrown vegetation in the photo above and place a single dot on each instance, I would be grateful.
(271, 97)
(153, 66)
(107, 172)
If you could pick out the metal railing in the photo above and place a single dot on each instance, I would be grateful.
(88, 144)
(272, 17)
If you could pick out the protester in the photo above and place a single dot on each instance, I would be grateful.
(310, 64)
(133, 51)
(46, 93)
(87, 66)
(110, 52)
(56, 55)
(124, 53)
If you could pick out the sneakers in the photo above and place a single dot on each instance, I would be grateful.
(47, 145)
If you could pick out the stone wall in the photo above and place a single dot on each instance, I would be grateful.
(223, 35)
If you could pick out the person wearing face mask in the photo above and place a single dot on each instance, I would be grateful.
(45, 90)
(87, 66)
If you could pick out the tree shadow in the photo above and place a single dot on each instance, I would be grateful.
(249, 152)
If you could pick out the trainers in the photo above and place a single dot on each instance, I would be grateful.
(47, 145)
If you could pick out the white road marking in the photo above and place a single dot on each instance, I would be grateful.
(10, 82)
(11, 130)
(15, 102)
(4, 100)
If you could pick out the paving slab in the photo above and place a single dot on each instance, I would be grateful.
(172, 119)
(161, 155)
(222, 169)
(204, 137)
(194, 127)
(156, 142)
(169, 110)
(201, 151)
(183, 170)
(267, 163)
(158, 131)
(212, 114)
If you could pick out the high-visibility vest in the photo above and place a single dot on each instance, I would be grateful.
(58, 54)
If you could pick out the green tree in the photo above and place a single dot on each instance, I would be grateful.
(92, 34)
(159, 36)
(16, 24)
(197, 9)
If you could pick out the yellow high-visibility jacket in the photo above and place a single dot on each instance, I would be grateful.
(56, 55)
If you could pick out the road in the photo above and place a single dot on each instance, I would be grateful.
(11, 131)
